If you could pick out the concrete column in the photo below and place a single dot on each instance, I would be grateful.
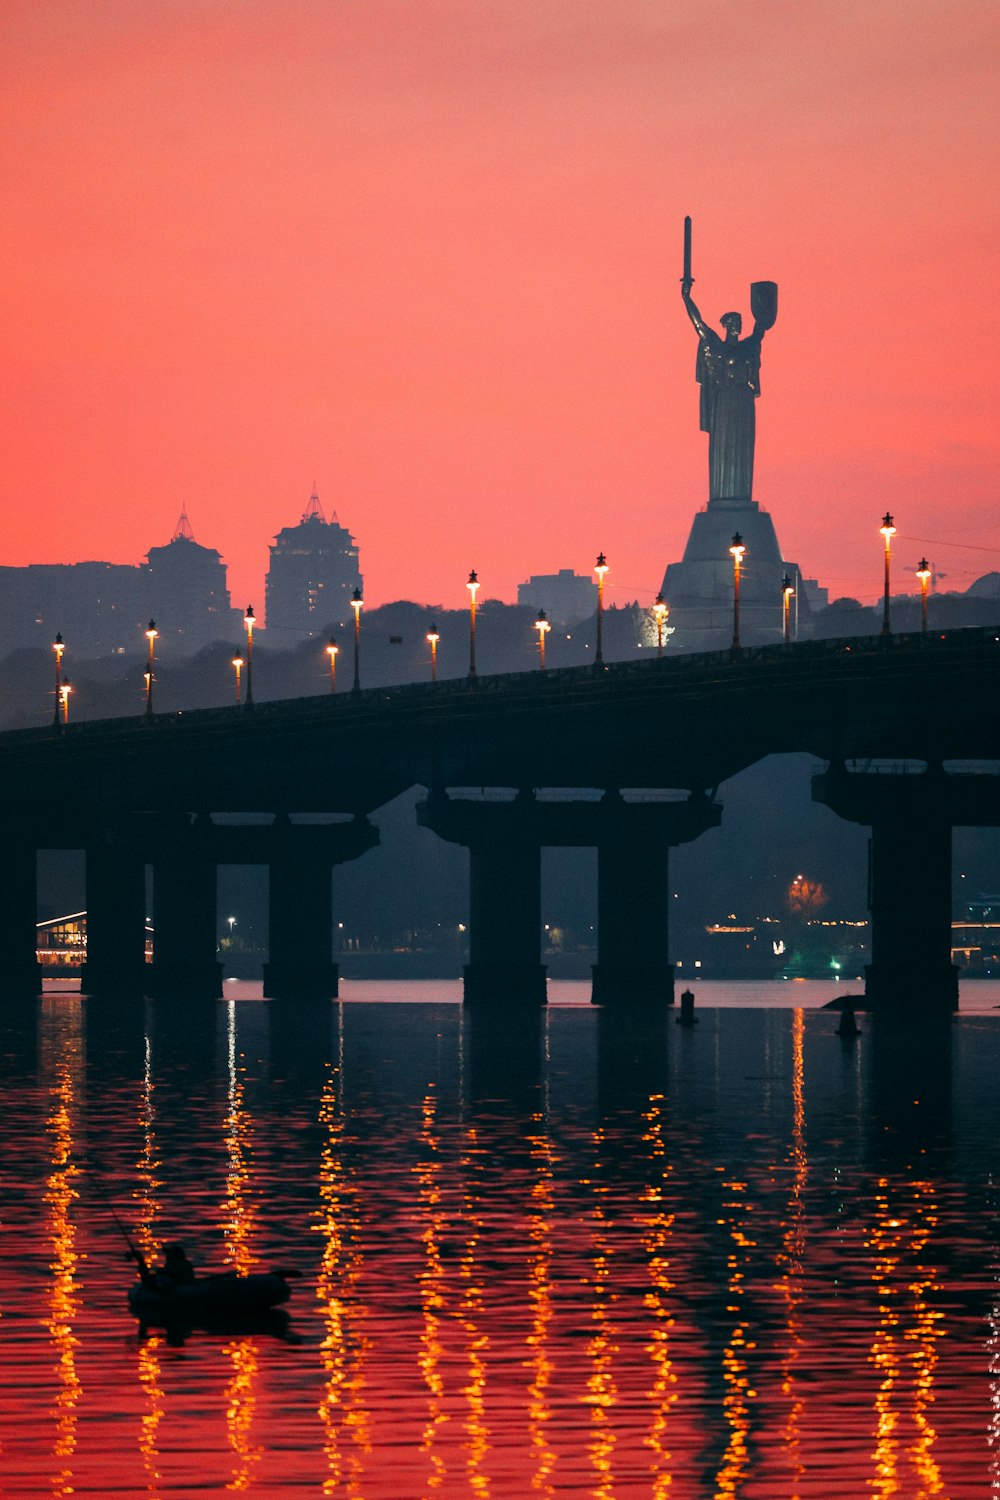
(504, 840)
(300, 920)
(185, 938)
(632, 913)
(116, 916)
(18, 916)
(911, 817)
(910, 902)
(505, 919)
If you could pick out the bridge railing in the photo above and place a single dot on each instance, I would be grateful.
(560, 685)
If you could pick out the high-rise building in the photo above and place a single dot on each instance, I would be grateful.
(312, 575)
(104, 607)
(99, 604)
(185, 591)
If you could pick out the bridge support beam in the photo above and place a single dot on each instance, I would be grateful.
(300, 963)
(505, 840)
(910, 901)
(632, 966)
(909, 889)
(116, 915)
(18, 916)
(185, 939)
(505, 894)
(505, 919)
(300, 929)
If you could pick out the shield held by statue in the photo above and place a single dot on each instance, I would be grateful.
(764, 303)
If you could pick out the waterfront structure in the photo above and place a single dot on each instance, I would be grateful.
(313, 572)
(131, 794)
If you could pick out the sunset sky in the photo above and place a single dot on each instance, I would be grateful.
(426, 254)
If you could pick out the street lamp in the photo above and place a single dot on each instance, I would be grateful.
(660, 613)
(887, 530)
(238, 668)
(356, 604)
(736, 552)
(787, 590)
(924, 574)
(64, 692)
(333, 651)
(473, 587)
(600, 568)
(151, 634)
(433, 637)
(249, 621)
(58, 646)
(543, 627)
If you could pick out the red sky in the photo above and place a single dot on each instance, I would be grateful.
(426, 253)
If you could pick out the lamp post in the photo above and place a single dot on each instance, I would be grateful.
(356, 604)
(58, 646)
(736, 552)
(787, 590)
(473, 587)
(924, 574)
(600, 568)
(543, 627)
(151, 634)
(238, 668)
(433, 637)
(249, 621)
(333, 651)
(887, 530)
(660, 613)
(64, 692)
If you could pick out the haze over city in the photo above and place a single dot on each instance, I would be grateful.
(427, 257)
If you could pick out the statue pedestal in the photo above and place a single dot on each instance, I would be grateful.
(699, 588)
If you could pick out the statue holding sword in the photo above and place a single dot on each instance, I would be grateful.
(728, 371)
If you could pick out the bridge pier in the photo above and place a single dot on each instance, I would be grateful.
(116, 914)
(185, 939)
(505, 893)
(300, 963)
(633, 967)
(505, 919)
(909, 888)
(19, 916)
(505, 840)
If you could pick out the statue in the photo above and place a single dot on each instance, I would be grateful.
(728, 371)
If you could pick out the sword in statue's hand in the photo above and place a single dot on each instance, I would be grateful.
(687, 280)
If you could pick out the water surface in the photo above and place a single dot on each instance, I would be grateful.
(561, 1254)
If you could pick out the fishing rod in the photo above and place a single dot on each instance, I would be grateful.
(145, 1274)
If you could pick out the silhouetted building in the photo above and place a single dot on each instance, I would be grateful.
(186, 592)
(102, 608)
(566, 597)
(99, 605)
(313, 573)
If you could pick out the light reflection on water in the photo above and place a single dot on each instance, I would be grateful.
(569, 1253)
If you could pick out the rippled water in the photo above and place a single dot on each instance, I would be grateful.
(571, 1254)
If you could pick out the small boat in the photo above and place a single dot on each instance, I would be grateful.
(210, 1299)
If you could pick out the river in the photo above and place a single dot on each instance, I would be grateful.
(559, 1254)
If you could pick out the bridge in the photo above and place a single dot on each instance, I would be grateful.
(891, 716)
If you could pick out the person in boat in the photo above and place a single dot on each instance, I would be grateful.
(176, 1270)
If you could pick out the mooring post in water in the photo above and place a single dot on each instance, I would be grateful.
(687, 1016)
